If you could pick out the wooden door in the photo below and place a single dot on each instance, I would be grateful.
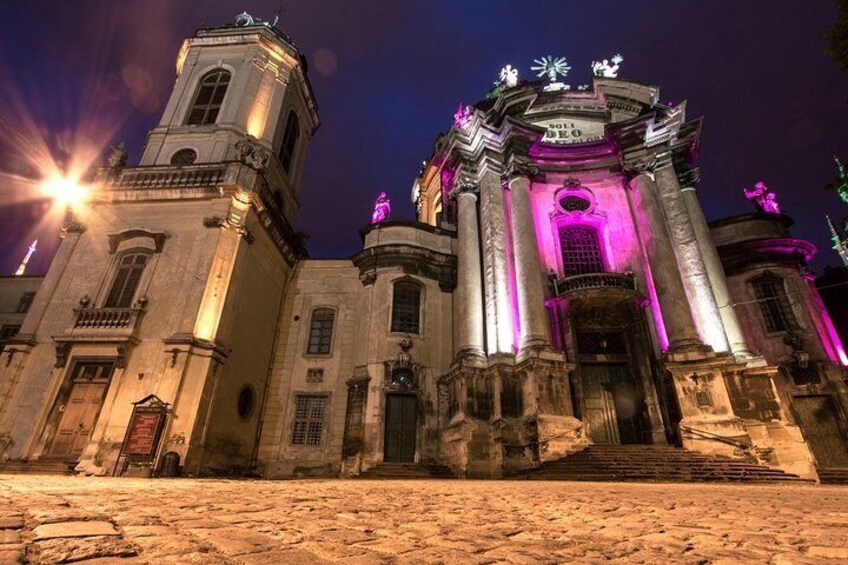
(818, 420)
(598, 405)
(629, 404)
(88, 387)
(401, 428)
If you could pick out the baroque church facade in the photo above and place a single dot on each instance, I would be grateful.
(559, 288)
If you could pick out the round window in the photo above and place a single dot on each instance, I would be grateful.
(574, 203)
(184, 157)
(245, 403)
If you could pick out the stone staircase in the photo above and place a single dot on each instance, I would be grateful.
(406, 471)
(833, 476)
(648, 463)
(38, 467)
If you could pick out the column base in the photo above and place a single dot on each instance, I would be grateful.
(689, 350)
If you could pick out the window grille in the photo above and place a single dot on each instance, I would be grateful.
(209, 97)
(290, 137)
(126, 280)
(774, 304)
(321, 331)
(309, 420)
(406, 306)
(581, 250)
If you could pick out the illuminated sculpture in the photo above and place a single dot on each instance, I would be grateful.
(382, 207)
(552, 67)
(508, 77)
(763, 198)
(22, 269)
(462, 117)
(839, 245)
(840, 185)
(605, 69)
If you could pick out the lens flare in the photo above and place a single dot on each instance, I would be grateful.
(65, 191)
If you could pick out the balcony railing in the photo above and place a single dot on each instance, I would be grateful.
(141, 178)
(588, 281)
(107, 319)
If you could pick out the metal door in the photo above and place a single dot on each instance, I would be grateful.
(401, 427)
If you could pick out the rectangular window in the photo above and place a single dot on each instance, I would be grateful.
(25, 303)
(7, 332)
(309, 420)
(321, 331)
(406, 307)
(774, 304)
(126, 281)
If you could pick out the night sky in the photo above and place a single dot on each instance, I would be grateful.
(388, 75)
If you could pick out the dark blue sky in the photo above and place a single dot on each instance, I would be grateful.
(389, 74)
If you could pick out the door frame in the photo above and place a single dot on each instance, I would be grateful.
(635, 376)
(416, 397)
(838, 413)
(54, 418)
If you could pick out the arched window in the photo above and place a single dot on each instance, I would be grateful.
(290, 136)
(124, 285)
(581, 250)
(210, 95)
(770, 291)
(406, 307)
(321, 331)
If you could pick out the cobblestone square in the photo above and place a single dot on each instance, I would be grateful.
(50, 519)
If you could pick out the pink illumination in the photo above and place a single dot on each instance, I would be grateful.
(462, 117)
(382, 207)
(764, 199)
(833, 345)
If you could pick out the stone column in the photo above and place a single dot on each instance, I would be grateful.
(715, 272)
(673, 303)
(528, 270)
(691, 264)
(498, 307)
(469, 290)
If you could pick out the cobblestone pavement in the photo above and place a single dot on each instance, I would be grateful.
(104, 521)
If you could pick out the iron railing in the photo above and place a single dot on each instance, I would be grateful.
(588, 281)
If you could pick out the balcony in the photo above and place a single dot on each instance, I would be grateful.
(594, 281)
(106, 322)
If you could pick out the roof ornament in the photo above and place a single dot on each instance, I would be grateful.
(840, 185)
(382, 207)
(245, 20)
(462, 117)
(508, 77)
(552, 67)
(31, 250)
(608, 67)
(763, 198)
(839, 245)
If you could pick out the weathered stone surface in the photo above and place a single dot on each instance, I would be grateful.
(75, 530)
(9, 536)
(61, 550)
(451, 522)
(11, 557)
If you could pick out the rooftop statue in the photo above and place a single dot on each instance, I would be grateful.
(763, 198)
(382, 207)
(607, 68)
(552, 67)
(508, 77)
(462, 117)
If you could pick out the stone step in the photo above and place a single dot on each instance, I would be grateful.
(834, 476)
(653, 463)
(406, 471)
(37, 467)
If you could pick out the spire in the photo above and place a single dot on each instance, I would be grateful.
(839, 245)
(22, 269)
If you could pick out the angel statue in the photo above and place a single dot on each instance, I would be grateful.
(508, 77)
(607, 68)
(763, 198)
(382, 207)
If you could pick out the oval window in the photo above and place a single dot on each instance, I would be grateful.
(574, 203)
(184, 157)
(245, 403)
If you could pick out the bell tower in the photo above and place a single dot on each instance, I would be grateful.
(243, 79)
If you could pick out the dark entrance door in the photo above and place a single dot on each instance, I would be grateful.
(401, 425)
(818, 420)
(613, 406)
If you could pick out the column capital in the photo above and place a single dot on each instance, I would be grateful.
(463, 188)
(518, 168)
(647, 165)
